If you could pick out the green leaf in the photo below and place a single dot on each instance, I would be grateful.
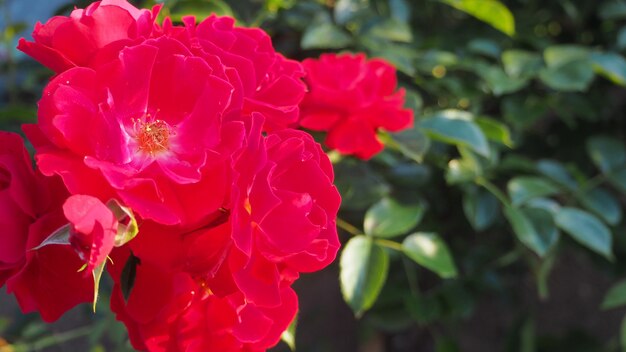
(363, 269)
(524, 188)
(522, 64)
(347, 10)
(129, 273)
(413, 143)
(289, 335)
(324, 36)
(431, 252)
(586, 229)
(533, 227)
(574, 76)
(359, 185)
(492, 12)
(499, 82)
(495, 131)
(390, 218)
(610, 65)
(481, 209)
(603, 204)
(462, 170)
(559, 55)
(97, 275)
(392, 30)
(456, 127)
(485, 47)
(615, 297)
(59, 236)
(400, 10)
(557, 172)
(607, 153)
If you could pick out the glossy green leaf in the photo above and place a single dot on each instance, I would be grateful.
(431, 252)
(495, 131)
(400, 10)
(534, 228)
(586, 229)
(607, 153)
(325, 36)
(615, 297)
(556, 172)
(604, 204)
(520, 63)
(499, 82)
(392, 30)
(346, 10)
(611, 66)
(413, 143)
(481, 208)
(359, 185)
(456, 127)
(523, 188)
(574, 76)
(559, 55)
(484, 47)
(363, 268)
(390, 218)
(462, 170)
(492, 12)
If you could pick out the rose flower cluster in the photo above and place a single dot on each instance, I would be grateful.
(169, 157)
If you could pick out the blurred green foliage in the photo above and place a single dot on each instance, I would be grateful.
(517, 155)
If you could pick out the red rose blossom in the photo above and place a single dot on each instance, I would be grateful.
(93, 227)
(351, 97)
(151, 140)
(65, 42)
(174, 312)
(44, 279)
(189, 127)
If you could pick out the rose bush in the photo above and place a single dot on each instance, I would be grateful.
(181, 135)
(351, 97)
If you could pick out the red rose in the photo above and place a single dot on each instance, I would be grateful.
(283, 212)
(154, 116)
(264, 80)
(23, 198)
(350, 98)
(172, 312)
(93, 229)
(45, 279)
(65, 42)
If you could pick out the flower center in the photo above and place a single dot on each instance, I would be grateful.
(153, 137)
